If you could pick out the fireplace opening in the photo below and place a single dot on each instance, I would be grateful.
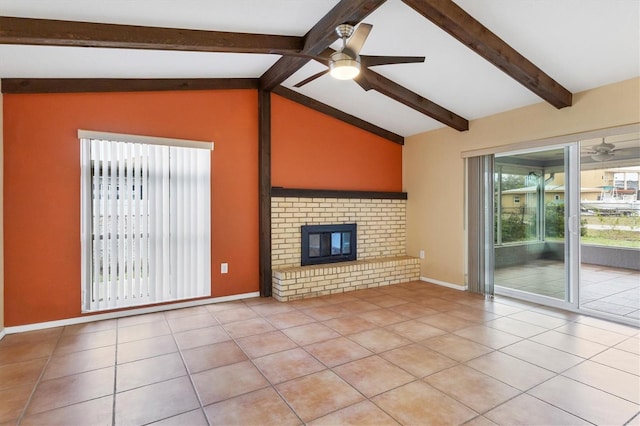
(328, 243)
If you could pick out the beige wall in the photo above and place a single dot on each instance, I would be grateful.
(1, 220)
(433, 170)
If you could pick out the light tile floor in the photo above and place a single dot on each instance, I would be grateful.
(413, 354)
(613, 291)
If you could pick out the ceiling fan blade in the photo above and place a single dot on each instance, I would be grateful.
(310, 79)
(321, 59)
(357, 39)
(362, 81)
(371, 61)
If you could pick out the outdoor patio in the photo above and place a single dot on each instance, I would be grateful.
(614, 291)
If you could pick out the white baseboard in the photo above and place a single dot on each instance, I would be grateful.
(3, 333)
(120, 314)
(444, 284)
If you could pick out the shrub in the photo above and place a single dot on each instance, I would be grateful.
(513, 229)
(554, 221)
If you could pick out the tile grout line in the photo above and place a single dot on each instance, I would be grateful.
(332, 371)
(186, 369)
(115, 379)
(593, 387)
(637, 416)
(250, 359)
(561, 374)
(377, 354)
(37, 383)
(274, 386)
(553, 405)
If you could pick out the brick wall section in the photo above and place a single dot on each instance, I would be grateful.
(381, 225)
(381, 246)
(319, 280)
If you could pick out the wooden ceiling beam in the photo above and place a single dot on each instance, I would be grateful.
(46, 32)
(454, 20)
(320, 37)
(337, 114)
(80, 85)
(372, 80)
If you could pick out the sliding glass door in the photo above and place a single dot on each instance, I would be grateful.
(535, 225)
(610, 225)
(559, 225)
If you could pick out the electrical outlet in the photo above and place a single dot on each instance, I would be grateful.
(421, 254)
(224, 268)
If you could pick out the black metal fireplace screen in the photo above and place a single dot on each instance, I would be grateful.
(328, 243)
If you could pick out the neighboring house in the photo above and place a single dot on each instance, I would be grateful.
(594, 184)
(517, 197)
(621, 178)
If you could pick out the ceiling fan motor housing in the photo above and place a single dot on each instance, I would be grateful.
(603, 151)
(344, 30)
(603, 147)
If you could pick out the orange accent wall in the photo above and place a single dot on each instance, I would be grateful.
(311, 150)
(42, 181)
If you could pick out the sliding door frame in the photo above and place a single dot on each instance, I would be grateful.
(573, 209)
(571, 170)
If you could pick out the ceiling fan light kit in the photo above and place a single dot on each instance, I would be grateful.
(602, 156)
(343, 67)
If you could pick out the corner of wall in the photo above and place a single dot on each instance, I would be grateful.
(435, 212)
(1, 221)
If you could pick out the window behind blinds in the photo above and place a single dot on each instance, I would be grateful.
(146, 223)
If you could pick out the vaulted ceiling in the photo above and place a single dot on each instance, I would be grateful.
(481, 57)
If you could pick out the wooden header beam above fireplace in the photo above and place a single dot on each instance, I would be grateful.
(278, 191)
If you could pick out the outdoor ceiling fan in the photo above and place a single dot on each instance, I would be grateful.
(602, 151)
(345, 64)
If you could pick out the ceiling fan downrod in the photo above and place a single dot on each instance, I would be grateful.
(344, 31)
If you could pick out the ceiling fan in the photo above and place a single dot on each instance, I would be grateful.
(345, 64)
(602, 151)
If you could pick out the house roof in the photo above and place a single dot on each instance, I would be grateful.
(575, 44)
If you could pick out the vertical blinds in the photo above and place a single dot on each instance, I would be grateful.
(480, 224)
(146, 223)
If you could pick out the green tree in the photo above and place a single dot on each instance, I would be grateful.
(512, 182)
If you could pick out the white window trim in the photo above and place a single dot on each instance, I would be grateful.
(548, 142)
(149, 140)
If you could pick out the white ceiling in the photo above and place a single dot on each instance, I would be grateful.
(580, 43)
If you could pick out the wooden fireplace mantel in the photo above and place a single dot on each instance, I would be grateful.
(278, 191)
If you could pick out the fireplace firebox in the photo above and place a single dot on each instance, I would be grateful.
(328, 243)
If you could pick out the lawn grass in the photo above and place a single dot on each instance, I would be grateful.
(612, 237)
(632, 221)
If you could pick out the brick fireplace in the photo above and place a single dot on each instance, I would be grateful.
(381, 234)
